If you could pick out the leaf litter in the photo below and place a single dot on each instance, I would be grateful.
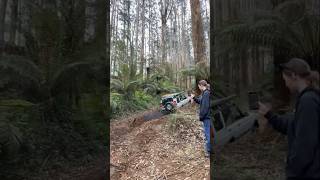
(168, 148)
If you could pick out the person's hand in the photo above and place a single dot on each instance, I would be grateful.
(190, 99)
(264, 108)
(192, 96)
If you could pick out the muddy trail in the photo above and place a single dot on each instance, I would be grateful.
(153, 145)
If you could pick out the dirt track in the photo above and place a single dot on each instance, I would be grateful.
(146, 150)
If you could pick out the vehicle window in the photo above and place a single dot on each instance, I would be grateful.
(217, 121)
(182, 97)
(177, 98)
(167, 100)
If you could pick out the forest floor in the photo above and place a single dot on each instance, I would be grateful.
(142, 149)
(151, 150)
(257, 155)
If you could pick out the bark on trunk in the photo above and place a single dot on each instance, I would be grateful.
(3, 7)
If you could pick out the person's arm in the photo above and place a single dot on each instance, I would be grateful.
(197, 99)
(306, 133)
(279, 123)
(205, 102)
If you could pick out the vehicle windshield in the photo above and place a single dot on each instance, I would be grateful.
(165, 100)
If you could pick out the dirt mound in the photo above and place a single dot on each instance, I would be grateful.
(150, 150)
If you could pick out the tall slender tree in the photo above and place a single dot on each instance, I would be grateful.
(14, 21)
(165, 11)
(198, 40)
(3, 8)
(142, 58)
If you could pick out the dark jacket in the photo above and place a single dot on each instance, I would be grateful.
(303, 131)
(197, 99)
(204, 101)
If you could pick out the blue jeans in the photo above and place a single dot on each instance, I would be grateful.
(206, 127)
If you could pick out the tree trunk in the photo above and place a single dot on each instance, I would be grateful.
(142, 38)
(116, 39)
(163, 44)
(13, 25)
(197, 33)
(3, 8)
(244, 69)
(19, 28)
(212, 66)
(137, 27)
(165, 12)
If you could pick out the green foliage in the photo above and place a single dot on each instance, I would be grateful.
(49, 118)
(141, 96)
(289, 28)
(168, 87)
(15, 103)
(201, 70)
(139, 101)
(116, 102)
(144, 100)
(18, 70)
(10, 141)
(126, 88)
(50, 115)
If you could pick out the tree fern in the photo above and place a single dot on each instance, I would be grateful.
(21, 70)
(71, 75)
(199, 70)
(289, 26)
(10, 140)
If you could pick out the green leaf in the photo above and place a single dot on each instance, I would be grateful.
(16, 103)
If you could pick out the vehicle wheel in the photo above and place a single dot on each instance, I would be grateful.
(169, 107)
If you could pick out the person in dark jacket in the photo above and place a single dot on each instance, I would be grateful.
(302, 128)
(204, 114)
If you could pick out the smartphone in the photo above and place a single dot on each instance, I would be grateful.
(254, 99)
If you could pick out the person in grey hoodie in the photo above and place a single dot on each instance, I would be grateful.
(303, 128)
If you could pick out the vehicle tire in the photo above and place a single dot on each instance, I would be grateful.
(168, 107)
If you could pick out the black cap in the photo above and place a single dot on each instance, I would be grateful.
(297, 66)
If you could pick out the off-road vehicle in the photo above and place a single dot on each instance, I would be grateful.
(170, 102)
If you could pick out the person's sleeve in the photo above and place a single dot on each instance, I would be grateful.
(205, 101)
(307, 135)
(279, 123)
(197, 99)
